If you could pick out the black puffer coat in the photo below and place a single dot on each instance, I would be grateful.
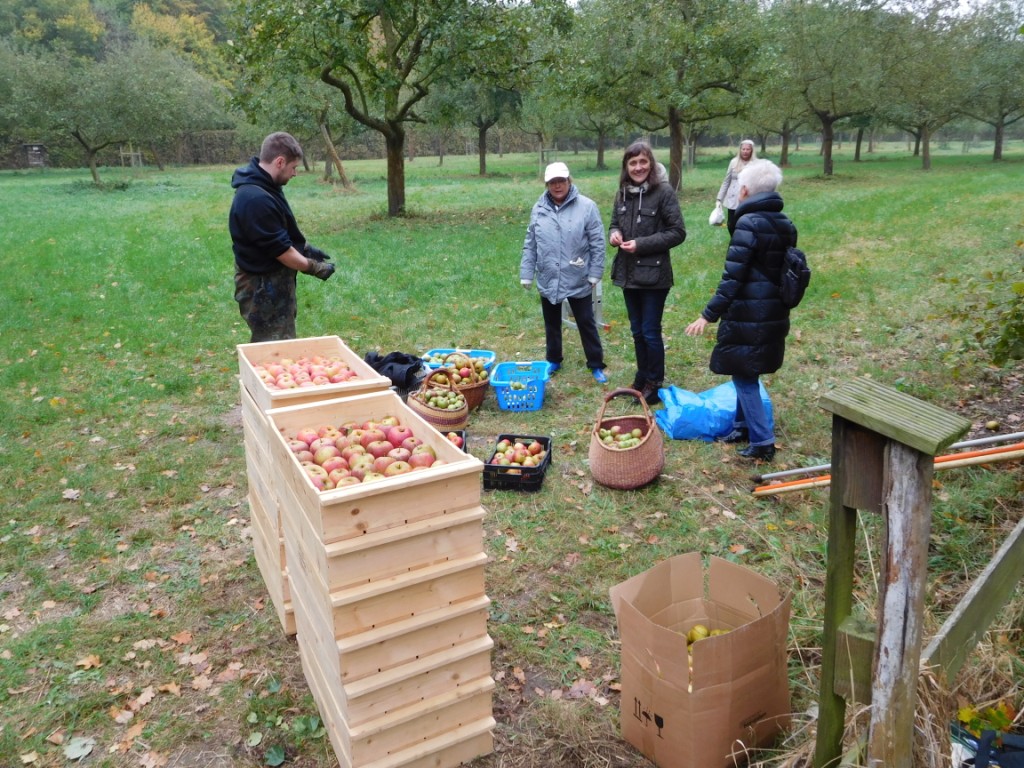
(651, 216)
(754, 321)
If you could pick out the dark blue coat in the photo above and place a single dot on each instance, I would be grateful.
(261, 222)
(754, 321)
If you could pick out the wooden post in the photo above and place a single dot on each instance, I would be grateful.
(884, 443)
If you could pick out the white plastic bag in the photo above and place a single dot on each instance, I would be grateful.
(717, 217)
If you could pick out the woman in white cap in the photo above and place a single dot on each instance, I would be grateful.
(729, 192)
(564, 253)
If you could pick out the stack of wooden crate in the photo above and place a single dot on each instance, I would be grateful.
(257, 401)
(386, 583)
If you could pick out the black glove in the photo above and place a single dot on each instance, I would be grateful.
(314, 253)
(320, 269)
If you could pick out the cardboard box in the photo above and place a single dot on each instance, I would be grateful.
(250, 355)
(737, 695)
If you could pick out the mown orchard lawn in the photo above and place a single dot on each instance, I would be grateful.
(134, 627)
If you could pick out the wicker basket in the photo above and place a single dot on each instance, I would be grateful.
(442, 419)
(474, 392)
(628, 468)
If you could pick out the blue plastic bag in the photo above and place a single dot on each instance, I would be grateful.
(704, 416)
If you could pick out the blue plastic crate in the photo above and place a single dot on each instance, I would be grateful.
(520, 386)
(485, 354)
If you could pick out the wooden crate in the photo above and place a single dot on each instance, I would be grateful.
(270, 561)
(357, 510)
(440, 731)
(265, 511)
(250, 355)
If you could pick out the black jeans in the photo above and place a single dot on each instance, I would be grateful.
(645, 306)
(583, 312)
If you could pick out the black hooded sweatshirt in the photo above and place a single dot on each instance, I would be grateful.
(261, 222)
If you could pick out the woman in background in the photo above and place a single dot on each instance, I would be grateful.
(728, 193)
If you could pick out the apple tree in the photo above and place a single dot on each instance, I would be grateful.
(384, 56)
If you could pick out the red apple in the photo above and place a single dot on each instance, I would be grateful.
(381, 463)
(305, 456)
(336, 474)
(347, 480)
(350, 451)
(372, 435)
(400, 453)
(379, 448)
(411, 443)
(297, 445)
(424, 448)
(398, 433)
(334, 462)
(324, 452)
(455, 439)
(307, 435)
(421, 459)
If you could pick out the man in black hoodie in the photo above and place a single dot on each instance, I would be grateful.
(269, 248)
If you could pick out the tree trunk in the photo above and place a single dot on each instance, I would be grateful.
(675, 152)
(481, 147)
(784, 151)
(332, 156)
(91, 159)
(997, 151)
(395, 143)
(601, 138)
(926, 148)
(860, 141)
(156, 157)
(827, 136)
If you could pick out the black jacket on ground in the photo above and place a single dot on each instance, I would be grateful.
(754, 321)
(652, 218)
(261, 222)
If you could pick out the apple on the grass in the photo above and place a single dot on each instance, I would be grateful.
(397, 433)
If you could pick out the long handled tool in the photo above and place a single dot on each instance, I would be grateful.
(946, 461)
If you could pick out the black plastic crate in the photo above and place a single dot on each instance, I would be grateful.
(504, 478)
(461, 433)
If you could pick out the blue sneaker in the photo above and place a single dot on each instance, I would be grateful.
(600, 376)
(553, 367)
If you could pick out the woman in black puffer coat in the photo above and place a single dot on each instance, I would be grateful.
(754, 321)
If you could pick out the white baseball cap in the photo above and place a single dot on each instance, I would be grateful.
(556, 171)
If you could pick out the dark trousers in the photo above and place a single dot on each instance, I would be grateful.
(583, 312)
(645, 306)
(267, 303)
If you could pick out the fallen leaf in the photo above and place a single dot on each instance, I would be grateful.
(71, 494)
(79, 747)
(92, 661)
(28, 758)
(182, 638)
(583, 662)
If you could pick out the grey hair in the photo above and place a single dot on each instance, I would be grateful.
(760, 176)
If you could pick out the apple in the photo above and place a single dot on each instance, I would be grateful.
(400, 453)
(355, 434)
(297, 445)
(371, 477)
(341, 442)
(455, 439)
(411, 443)
(379, 448)
(422, 459)
(381, 463)
(397, 468)
(334, 462)
(424, 448)
(389, 421)
(328, 430)
(337, 474)
(351, 451)
(305, 456)
(372, 435)
(347, 480)
(398, 433)
(325, 452)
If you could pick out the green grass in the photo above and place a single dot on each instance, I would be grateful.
(122, 473)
